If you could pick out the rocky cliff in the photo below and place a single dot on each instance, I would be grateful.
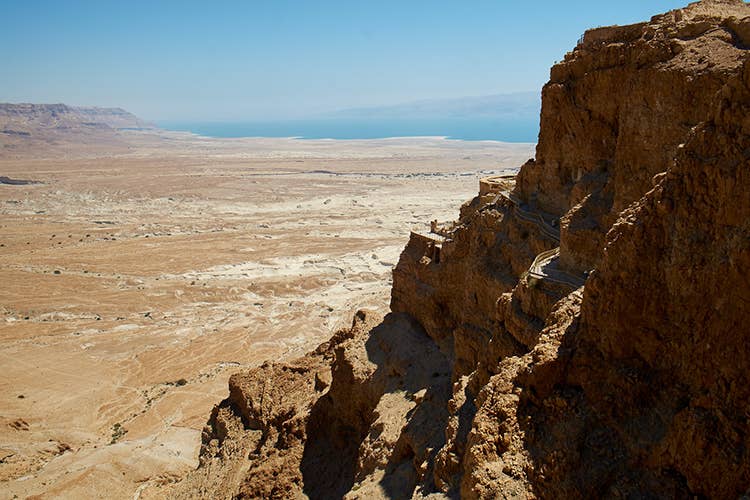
(581, 333)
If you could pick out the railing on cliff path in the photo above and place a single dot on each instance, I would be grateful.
(541, 260)
(537, 270)
(503, 187)
(533, 217)
(540, 267)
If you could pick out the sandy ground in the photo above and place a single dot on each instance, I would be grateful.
(132, 285)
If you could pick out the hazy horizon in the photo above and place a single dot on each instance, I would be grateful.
(328, 113)
(282, 60)
(501, 117)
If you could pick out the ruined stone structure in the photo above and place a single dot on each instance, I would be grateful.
(496, 184)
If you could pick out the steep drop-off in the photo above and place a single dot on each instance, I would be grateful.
(613, 366)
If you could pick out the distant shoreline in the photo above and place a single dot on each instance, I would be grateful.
(513, 130)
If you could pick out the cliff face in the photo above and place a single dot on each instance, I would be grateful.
(684, 334)
(615, 366)
(617, 107)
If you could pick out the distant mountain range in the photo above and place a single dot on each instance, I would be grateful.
(35, 128)
(26, 119)
(522, 105)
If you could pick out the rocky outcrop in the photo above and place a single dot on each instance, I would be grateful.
(333, 421)
(614, 366)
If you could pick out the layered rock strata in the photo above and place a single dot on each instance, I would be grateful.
(582, 334)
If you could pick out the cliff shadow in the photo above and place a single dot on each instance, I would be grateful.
(590, 424)
(411, 378)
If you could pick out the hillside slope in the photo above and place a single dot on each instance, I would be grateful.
(579, 334)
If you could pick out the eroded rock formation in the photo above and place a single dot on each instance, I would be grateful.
(614, 367)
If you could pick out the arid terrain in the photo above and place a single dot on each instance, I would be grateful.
(573, 328)
(135, 282)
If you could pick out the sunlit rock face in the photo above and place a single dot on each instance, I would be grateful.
(614, 366)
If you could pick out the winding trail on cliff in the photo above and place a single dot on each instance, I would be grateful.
(529, 216)
(544, 265)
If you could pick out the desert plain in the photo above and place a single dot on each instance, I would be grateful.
(135, 280)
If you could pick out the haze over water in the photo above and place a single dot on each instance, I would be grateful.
(470, 129)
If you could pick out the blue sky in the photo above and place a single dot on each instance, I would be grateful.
(253, 59)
